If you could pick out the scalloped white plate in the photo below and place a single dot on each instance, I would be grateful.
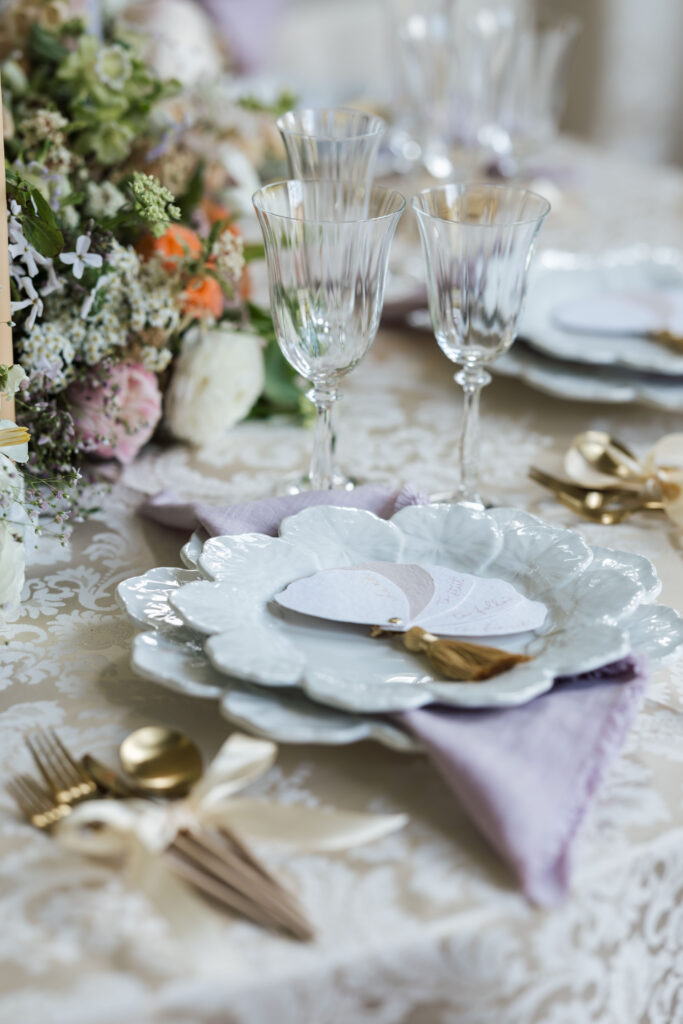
(593, 596)
(556, 278)
(172, 655)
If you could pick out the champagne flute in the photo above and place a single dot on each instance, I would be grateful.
(327, 249)
(478, 241)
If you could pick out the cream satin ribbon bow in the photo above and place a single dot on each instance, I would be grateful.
(659, 474)
(106, 828)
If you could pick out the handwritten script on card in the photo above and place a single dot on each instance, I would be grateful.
(398, 597)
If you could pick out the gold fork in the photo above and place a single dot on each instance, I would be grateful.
(64, 776)
(35, 803)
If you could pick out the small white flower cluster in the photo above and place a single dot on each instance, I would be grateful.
(143, 295)
(50, 349)
(44, 125)
(130, 295)
(47, 126)
(228, 251)
(103, 200)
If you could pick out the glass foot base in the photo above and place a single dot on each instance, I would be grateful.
(458, 498)
(299, 485)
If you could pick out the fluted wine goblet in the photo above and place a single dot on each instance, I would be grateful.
(331, 144)
(327, 249)
(478, 241)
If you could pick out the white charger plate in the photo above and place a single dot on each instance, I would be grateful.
(596, 600)
(556, 278)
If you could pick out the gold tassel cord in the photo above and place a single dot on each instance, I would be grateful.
(456, 659)
(673, 341)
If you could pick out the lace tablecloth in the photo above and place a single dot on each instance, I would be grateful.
(424, 927)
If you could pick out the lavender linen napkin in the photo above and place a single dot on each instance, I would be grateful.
(526, 775)
(265, 516)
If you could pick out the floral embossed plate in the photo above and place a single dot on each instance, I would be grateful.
(172, 655)
(596, 600)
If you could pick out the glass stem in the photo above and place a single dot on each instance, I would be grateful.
(471, 379)
(322, 460)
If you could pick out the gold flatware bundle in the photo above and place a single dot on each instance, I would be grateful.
(607, 482)
(215, 861)
(605, 505)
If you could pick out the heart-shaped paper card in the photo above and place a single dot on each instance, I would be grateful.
(398, 597)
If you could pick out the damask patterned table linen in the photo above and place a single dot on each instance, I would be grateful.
(526, 775)
(424, 927)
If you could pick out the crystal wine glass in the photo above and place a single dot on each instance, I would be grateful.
(478, 241)
(327, 250)
(331, 144)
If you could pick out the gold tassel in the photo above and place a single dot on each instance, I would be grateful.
(466, 663)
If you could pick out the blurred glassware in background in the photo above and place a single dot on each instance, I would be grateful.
(327, 250)
(332, 144)
(485, 75)
(420, 33)
(478, 241)
(511, 77)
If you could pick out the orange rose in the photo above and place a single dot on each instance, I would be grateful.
(203, 295)
(213, 211)
(176, 242)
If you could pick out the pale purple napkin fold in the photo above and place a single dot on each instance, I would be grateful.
(265, 516)
(525, 775)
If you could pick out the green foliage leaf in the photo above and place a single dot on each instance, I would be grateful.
(254, 251)
(40, 227)
(189, 201)
(37, 218)
(284, 102)
(281, 388)
(281, 392)
(45, 45)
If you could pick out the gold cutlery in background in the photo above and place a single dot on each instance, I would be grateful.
(217, 864)
(607, 505)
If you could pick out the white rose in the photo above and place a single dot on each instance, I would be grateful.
(181, 39)
(12, 554)
(217, 378)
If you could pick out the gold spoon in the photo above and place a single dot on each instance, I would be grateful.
(598, 458)
(161, 761)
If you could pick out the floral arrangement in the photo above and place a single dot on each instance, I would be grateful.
(129, 279)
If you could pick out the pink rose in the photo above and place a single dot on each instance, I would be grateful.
(115, 417)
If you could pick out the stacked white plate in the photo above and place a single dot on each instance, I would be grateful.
(213, 630)
(617, 363)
